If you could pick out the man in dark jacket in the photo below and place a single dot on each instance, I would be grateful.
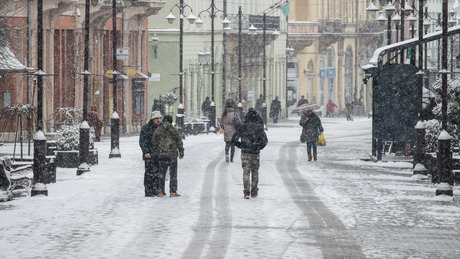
(206, 108)
(311, 125)
(275, 110)
(250, 137)
(149, 155)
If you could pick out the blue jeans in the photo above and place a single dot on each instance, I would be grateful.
(311, 145)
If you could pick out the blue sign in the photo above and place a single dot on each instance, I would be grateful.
(322, 73)
(331, 72)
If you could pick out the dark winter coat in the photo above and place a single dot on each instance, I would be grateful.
(250, 137)
(167, 141)
(311, 127)
(145, 140)
(275, 108)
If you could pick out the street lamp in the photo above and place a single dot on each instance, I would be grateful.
(191, 19)
(444, 162)
(212, 10)
(39, 164)
(84, 127)
(115, 119)
(155, 45)
(289, 54)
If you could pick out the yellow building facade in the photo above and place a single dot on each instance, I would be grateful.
(332, 40)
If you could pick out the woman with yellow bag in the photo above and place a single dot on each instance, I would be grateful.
(312, 128)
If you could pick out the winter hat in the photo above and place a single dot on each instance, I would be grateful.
(156, 114)
(252, 115)
(168, 118)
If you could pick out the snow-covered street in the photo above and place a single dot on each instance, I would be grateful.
(336, 207)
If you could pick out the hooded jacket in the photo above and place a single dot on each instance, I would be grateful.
(250, 137)
(312, 127)
(167, 141)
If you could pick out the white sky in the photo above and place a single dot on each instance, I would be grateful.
(104, 214)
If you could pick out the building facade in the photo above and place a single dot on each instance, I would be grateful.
(197, 72)
(332, 40)
(63, 48)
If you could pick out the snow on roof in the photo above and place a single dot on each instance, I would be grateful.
(426, 38)
(9, 63)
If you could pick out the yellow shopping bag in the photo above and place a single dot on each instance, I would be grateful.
(321, 140)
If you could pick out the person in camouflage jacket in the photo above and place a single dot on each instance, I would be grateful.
(168, 145)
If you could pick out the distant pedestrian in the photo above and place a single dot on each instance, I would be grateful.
(229, 122)
(206, 108)
(330, 109)
(168, 144)
(275, 110)
(259, 104)
(250, 137)
(311, 125)
(349, 111)
(95, 122)
(302, 101)
(158, 106)
(149, 155)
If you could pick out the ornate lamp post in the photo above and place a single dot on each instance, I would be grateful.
(444, 159)
(39, 164)
(212, 10)
(115, 119)
(84, 127)
(191, 18)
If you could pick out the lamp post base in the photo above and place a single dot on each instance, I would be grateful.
(115, 137)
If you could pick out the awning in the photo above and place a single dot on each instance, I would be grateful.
(9, 63)
(139, 76)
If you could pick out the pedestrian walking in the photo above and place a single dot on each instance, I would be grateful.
(95, 122)
(229, 123)
(330, 109)
(311, 128)
(259, 104)
(158, 106)
(206, 107)
(149, 155)
(275, 110)
(250, 137)
(349, 111)
(168, 144)
(302, 101)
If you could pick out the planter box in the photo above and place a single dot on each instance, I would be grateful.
(70, 159)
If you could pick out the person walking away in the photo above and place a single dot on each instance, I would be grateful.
(250, 137)
(259, 103)
(229, 122)
(169, 146)
(275, 110)
(149, 155)
(206, 107)
(311, 124)
(302, 101)
(95, 122)
(330, 109)
(349, 110)
(158, 106)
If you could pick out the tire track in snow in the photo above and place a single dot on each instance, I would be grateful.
(202, 237)
(330, 232)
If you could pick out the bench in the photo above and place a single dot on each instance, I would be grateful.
(15, 180)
